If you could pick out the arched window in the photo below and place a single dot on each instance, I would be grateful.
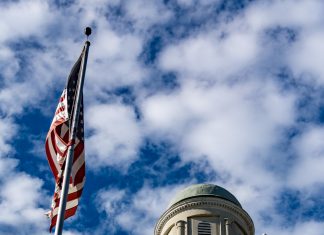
(204, 228)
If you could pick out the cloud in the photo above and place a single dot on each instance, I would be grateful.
(21, 195)
(136, 213)
(207, 121)
(115, 136)
(309, 228)
(114, 61)
(8, 129)
(145, 13)
(9, 64)
(307, 54)
(21, 201)
(109, 200)
(197, 3)
(209, 56)
(33, 17)
(265, 14)
(20, 92)
(306, 172)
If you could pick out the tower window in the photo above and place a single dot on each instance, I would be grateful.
(204, 228)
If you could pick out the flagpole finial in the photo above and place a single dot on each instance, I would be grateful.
(87, 31)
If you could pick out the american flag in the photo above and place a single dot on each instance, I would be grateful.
(57, 143)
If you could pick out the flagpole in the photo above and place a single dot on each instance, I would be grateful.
(69, 158)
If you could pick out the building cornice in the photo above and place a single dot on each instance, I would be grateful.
(197, 203)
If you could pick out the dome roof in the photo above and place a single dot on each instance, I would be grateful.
(208, 190)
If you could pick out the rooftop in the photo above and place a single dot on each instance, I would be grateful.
(208, 190)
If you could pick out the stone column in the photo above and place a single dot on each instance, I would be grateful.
(227, 223)
(181, 227)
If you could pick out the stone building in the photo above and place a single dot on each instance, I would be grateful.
(205, 209)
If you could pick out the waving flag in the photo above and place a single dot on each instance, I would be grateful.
(58, 142)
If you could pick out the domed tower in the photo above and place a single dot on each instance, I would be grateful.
(205, 209)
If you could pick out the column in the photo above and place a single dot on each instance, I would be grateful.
(181, 227)
(227, 223)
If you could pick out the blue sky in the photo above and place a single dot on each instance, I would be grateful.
(177, 92)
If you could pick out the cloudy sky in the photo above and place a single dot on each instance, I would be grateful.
(177, 92)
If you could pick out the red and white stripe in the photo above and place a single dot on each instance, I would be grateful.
(57, 143)
(73, 198)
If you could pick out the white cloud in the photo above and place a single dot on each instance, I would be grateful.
(115, 137)
(145, 13)
(185, 3)
(42, 72)
(20, 198)
(307, 55)
(231, 125)
(7, 129)
(72, 232)
(307, 170)
(109, 200)
(33, 17)
(113, 60)
(142, 14)
(26, 75)
(21, 195)
(143, 210)
(264, 14)
(93, 11)
(197, 3)
(304, 227)
(9, 65)
(209, 56)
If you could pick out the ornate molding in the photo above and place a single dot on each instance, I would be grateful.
(197, 204)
